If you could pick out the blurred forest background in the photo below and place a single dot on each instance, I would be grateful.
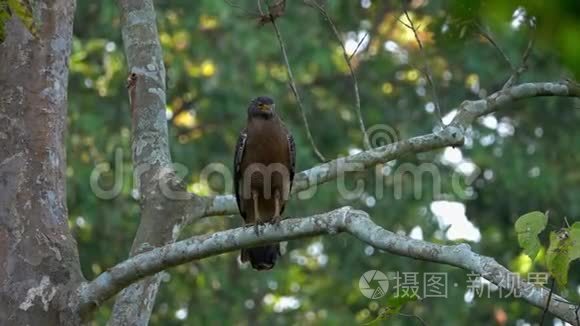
(523, 158)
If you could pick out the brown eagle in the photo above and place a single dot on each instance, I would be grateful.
(263, 172)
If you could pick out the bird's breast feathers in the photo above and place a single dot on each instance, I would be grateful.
(267, 142)
(266, 160)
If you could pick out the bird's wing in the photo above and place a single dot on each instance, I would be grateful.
(292, 149)
(292, 167)
(238, 156)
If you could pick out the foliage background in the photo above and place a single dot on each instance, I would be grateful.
(217, 59)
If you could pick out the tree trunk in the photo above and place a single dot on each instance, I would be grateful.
(162, 198)
(39, 262)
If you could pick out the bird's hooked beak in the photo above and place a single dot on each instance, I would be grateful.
(265, 107)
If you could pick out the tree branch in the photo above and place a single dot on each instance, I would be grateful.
(516, 71)
(295, 92)
(427, 71)
(151, 158)
(450, 135)
(487, 35)
(358, 110)
(523, 65)
(357, 223)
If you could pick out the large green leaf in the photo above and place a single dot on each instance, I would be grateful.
(564, 248)
(528, 227)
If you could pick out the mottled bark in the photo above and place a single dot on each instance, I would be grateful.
(163, 200)
(39, 265)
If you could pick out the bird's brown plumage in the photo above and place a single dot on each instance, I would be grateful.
(263, 172)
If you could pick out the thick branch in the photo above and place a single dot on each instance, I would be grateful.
(356, 223)
(157, 183)
(39, 260)
(451, 135)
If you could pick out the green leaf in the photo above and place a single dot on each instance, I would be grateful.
(528, 226)
(393, 307)
(4, 16)
(462, 31)
(23, 10)
(575, 240)
(564, 248)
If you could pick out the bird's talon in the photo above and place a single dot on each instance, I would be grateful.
(276, 220)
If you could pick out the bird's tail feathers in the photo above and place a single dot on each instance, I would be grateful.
(261, 257)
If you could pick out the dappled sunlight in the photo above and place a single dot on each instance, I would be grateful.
(416, 233)
(451, 217)
(185, 119)
(207, 22)
(406, 37)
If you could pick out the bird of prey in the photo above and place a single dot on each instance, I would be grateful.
(264, 164)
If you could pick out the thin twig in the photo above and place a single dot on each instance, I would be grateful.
(358, 46)
(548, 302)
(486, 35)
(576, 311)
(427, 71)
(516, 71)
(275, 11)
(416, 316)
(295, 91)
(366, 141)
(234, 5)
(260, 7)
(523, 64)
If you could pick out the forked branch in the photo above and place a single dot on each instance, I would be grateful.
(356, 223)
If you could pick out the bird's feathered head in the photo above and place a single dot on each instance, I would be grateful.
(261, 107)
